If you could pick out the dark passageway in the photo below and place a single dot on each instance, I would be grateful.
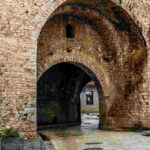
(58, 92)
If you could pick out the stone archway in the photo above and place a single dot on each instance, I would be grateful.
(58, 94)
(105, 40)
(110, 44)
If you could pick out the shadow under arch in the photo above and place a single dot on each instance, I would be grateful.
(58, 94)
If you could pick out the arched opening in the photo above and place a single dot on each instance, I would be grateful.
(58, 94)
(70, 31)
(100, 29)
(89, 100)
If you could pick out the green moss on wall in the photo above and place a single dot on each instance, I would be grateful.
(136, 59)
(39, 71)
(138, 126)
(101, 66)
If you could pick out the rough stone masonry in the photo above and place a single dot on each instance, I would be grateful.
(111, 39)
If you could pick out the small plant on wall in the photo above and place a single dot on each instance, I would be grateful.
(9, 132)
(10, 138)
(138, 126)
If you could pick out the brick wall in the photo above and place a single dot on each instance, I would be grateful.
(139, 11)
(21, 24)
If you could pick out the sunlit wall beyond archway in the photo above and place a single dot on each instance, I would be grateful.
(89, 98)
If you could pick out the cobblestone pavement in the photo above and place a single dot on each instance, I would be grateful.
(88, 137)
(28, 145)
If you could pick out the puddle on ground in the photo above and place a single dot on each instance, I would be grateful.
(94, 143)
(66, 133)
(93, 149)
(87, 136)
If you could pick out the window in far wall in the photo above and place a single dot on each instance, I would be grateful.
(89, 98)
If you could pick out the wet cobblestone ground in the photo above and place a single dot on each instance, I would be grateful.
(88, 137)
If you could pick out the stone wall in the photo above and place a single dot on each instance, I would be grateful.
(140, 13)
(21, 24)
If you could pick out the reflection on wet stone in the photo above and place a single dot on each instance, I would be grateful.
(93, 149)
(94, 143)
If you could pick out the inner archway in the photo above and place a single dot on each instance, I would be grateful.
(89, 100)
(58, 94)
(89, 97)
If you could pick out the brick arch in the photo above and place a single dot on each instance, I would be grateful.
(100, 73)
(88, 70)
(48, 9)
(100, 69)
